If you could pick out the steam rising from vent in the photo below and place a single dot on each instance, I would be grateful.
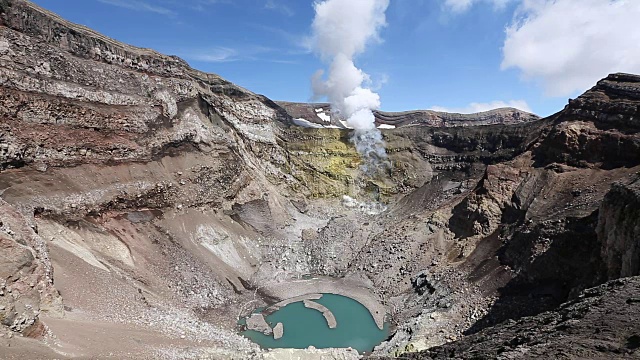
(342, 29)
(369, 208)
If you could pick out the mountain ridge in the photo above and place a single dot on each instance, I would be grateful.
(310, 112)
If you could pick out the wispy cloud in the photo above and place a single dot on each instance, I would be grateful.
(217, 54)
(139, 6)
(201, 5)
(279, 7)
(302, 44)
(378, 81)
(460, 6)
(221, 54)
(285, 62)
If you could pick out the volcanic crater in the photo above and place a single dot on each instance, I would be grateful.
(146, 207)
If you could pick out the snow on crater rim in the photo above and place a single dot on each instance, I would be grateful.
(322, 115)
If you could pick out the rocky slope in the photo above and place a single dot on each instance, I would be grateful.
(538, 229)
(147, 205)
(601, 323)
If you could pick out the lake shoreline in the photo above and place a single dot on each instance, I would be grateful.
(347, 287)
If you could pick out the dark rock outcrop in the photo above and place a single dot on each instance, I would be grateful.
(619, 230)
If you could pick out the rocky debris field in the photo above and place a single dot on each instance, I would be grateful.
(600, 323)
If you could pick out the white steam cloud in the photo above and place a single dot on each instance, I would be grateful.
(342, 30)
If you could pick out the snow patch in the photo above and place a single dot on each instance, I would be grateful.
(323, 116)
(306, 123)
(345, 125)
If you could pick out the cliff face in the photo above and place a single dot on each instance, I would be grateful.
(68, 91)
(599, 128)
(98, 141)
(26, 275)
(556, 218)
(149, 204)
(75, 102)
(619, 230)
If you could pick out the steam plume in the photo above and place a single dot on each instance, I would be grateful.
(342, 29)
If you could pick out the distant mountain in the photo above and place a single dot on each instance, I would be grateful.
(320, 114)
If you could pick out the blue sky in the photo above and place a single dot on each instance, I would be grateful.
(459, 55)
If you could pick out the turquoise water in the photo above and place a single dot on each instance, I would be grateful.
(305, 327)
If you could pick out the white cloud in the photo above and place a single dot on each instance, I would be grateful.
(278, 6)
(459, 6)
(567, 45)
(139, 6)
(480, 107)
